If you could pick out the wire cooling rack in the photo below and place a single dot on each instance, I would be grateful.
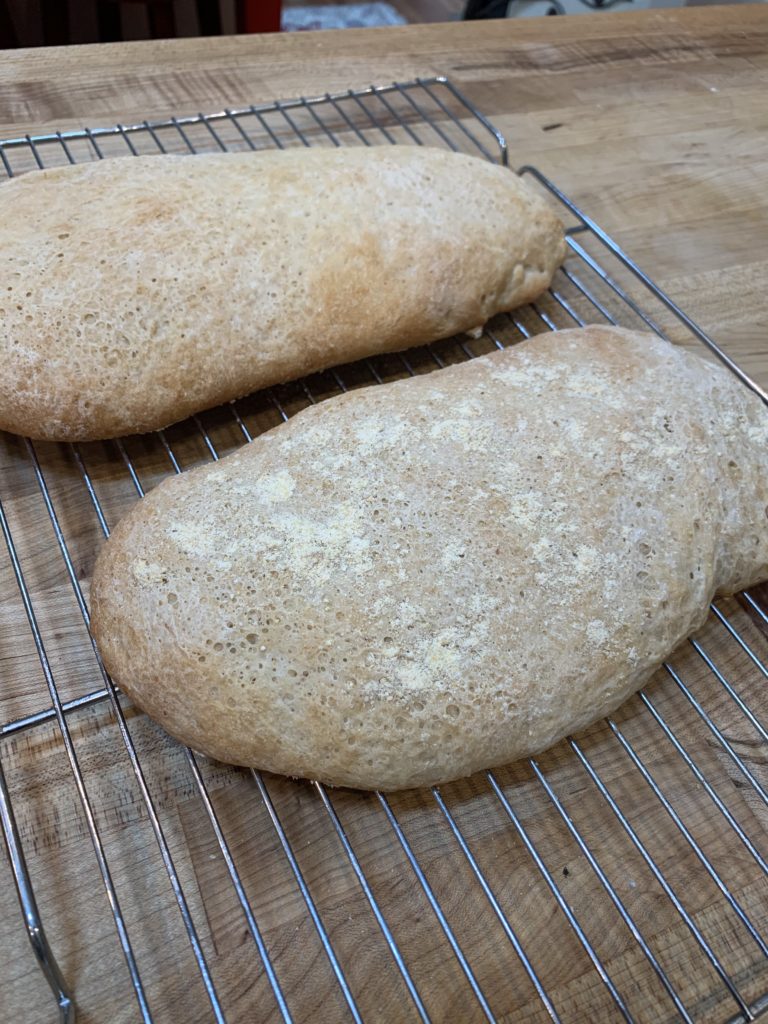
(620, 876)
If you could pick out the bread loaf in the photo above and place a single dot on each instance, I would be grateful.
(408, 583)
(137, 291)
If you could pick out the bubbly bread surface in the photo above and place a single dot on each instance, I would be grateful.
(412, 582)
(135, 292)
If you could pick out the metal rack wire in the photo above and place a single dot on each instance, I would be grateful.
(598, 283)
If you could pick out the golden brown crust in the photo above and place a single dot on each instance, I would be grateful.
(412, 582)
(135, 292)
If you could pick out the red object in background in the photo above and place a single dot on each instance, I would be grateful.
(57, 17)
(258, 15)
(250, 16)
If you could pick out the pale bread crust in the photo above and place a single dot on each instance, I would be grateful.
(135, 292)
(412, 582)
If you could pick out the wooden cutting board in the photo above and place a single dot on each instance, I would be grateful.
(621, 112)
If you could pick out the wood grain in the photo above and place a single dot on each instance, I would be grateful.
(620, 111)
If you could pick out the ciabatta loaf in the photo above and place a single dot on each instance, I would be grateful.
(412, 582)
(136, 291)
